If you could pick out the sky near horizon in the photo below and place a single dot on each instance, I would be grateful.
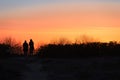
(46, 20)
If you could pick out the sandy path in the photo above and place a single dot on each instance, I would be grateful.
(34, 71)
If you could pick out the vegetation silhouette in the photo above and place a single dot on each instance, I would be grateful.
(62, 50)
(8, 47)
(5, 50)
(91, 49)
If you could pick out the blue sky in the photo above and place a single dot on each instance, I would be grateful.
(8, 4)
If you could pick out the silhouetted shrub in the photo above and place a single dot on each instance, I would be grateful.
(8, 47)
(5, 50)
(93, 49)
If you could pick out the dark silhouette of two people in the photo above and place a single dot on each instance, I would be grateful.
(30, 46)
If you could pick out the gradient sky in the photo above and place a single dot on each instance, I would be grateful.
(47, 20)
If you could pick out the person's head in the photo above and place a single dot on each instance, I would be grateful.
(25, 41)
(30, 40)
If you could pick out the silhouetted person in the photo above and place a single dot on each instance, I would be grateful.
(31, 44)
(25, 48)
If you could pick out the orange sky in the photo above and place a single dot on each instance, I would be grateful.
(47, 22)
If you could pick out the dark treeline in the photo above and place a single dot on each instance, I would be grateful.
(92, 49)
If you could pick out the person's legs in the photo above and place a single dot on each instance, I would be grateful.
(25, 53)
(31, 52)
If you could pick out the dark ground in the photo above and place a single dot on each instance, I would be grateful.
(34, 68)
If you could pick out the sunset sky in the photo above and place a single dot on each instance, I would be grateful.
(47, 20)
